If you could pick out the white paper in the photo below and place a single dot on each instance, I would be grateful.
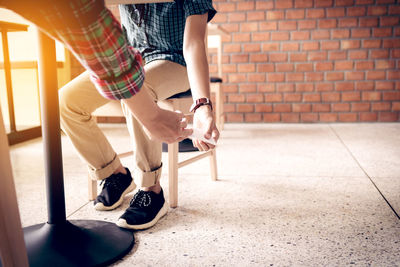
(199, 134)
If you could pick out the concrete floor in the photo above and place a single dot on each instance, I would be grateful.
(287, 195)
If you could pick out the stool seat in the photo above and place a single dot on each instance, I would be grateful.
(215, 79)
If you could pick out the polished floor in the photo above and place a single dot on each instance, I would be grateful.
(287, 195)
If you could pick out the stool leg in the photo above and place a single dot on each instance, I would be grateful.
(173, 174)
(219, 109)
(213, 165)
(92, 188)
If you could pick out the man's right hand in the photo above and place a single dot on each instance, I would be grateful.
(160, 124)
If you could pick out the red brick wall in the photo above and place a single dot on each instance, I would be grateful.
(310, 61)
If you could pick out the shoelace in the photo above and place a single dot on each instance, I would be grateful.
(113, 183)
(141, 199)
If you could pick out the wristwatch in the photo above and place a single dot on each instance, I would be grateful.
(200, 102)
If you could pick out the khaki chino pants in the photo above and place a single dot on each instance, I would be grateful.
(79, 99)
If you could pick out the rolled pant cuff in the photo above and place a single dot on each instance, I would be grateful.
(147, 179)
(106, 171)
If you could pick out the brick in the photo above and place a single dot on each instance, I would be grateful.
(330, 97)
(254, 117)
(382, 32)
(368, 116)
(268, 26)
(236, 78)
(355, 76)
(314, 76)
(384, 85)
(344, 2)
(365, 86)
(292, 97)
(344, 65)
(364, 65)
(372, 43)
(389, 21)
(393, 75)
(281, 4)
(321, 107)
(377, 10)
(236, 98)
(341, 107)
(249, 27)
(308, 117)
(257, 15)
(304, 87)
(388, 116)
(275, 77)
(391, 96)
(246, 5)
(295, 14)
(307, 46)
(235, 117)
(263, 108)
(248, 88)
(266, 87)
(344, 86)
(376, 75)
(348, 117)
(335, 12)
(232, 48)
(350, 44)
(315, 13)
(287, 25)
(229, 88)
(236, 17)
(360, 33)
(347, 22)
(351, 96)
(298, 57)
(278, 57)
(273, 97)
(266, 67)
(371, 96)
(328, 117)
(360, 106)
(307, 24)
(317, 56)
(229, 108)
(323, 3)
(263, 5)
(303, 67)
(303, 3)
(358, 54)
(385, 64)
(300, 35)
(275, 15)
(381, 106)
(368, 22)
(327, 23)
(256, 57)
(260, 36)
(301, 107)
(282, 107)
(279, 36)
(394, 10)
(337, 55)
(244, 108)
(241, 37)
(356, 11)
(284, 67)
(246, 68)
(324, 66)
(340, 33)
(320, 34)
(292, 46)
(271, 117)
(255, 77)
(334, 76)
(312, 97)
(294, 77)
(254, 98)
(392, 43)
(251, 48)
(395, 106)
(226, 7)
(290, 117)
(330, 45)
(270, 47)
(239, 58)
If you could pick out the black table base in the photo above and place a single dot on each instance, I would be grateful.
(76, 243)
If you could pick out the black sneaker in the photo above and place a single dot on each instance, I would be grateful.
(114, 189)
(146, 208)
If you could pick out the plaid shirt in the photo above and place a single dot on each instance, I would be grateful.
(157, 29)
(91, 32)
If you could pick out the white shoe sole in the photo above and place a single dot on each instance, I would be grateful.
(122, 222)
(100, 206)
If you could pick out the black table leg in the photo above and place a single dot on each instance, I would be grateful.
(60, 242)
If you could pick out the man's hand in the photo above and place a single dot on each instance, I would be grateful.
(160, 124)
(203, 119)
